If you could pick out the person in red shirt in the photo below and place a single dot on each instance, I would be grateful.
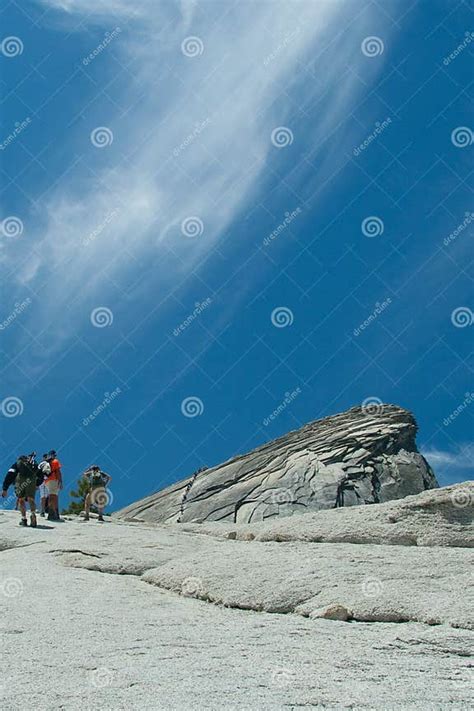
(54, 482)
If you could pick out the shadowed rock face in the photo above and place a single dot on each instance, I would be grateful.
(356, 457)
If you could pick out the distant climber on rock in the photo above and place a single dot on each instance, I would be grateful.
(24, 475)
(186, 492)
(97, 494)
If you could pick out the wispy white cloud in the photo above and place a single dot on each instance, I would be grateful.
(254, 54)
(460, 458)
(100, 8)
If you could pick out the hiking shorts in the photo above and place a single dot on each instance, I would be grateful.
(25, 488)
(44, 493)
(53, 487)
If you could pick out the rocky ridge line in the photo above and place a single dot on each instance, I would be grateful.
(357, 457)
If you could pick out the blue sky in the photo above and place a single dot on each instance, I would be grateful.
(300, 170)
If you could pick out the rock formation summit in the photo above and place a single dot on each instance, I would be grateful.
(365, 455)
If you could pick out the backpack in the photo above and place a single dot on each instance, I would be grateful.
(44, 470)
(96, 478)
(26, 470)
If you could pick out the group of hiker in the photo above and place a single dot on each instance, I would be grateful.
(27, 475)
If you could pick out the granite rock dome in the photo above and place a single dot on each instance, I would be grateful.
(361, 456)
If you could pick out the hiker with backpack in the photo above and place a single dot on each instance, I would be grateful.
(24, 475)
(97, 494)
(54, 483)
(45, 470)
